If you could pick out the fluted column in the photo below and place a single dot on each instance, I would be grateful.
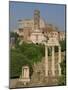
(53, 61)
(59, 61)
(46, 61)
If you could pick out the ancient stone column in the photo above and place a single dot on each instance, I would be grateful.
(53, 61)
(25, 72)
(59, 61)
(25, 78)
(46, 61)
(22, 72)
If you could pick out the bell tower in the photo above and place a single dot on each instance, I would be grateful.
(36, 19)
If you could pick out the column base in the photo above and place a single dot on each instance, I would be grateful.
(24, 80)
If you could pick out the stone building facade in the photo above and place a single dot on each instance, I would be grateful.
(37, 30)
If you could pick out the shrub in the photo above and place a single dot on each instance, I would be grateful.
(63, 45)
(16, 62)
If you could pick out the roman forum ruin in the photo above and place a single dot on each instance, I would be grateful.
(35, 31)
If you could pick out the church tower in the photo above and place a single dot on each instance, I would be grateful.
(36, 19)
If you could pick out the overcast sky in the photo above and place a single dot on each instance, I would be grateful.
(52, 13)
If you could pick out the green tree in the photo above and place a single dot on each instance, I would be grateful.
(25, 54)
(17, 61)
(16, 37)
(62, 79)
(63, 45)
